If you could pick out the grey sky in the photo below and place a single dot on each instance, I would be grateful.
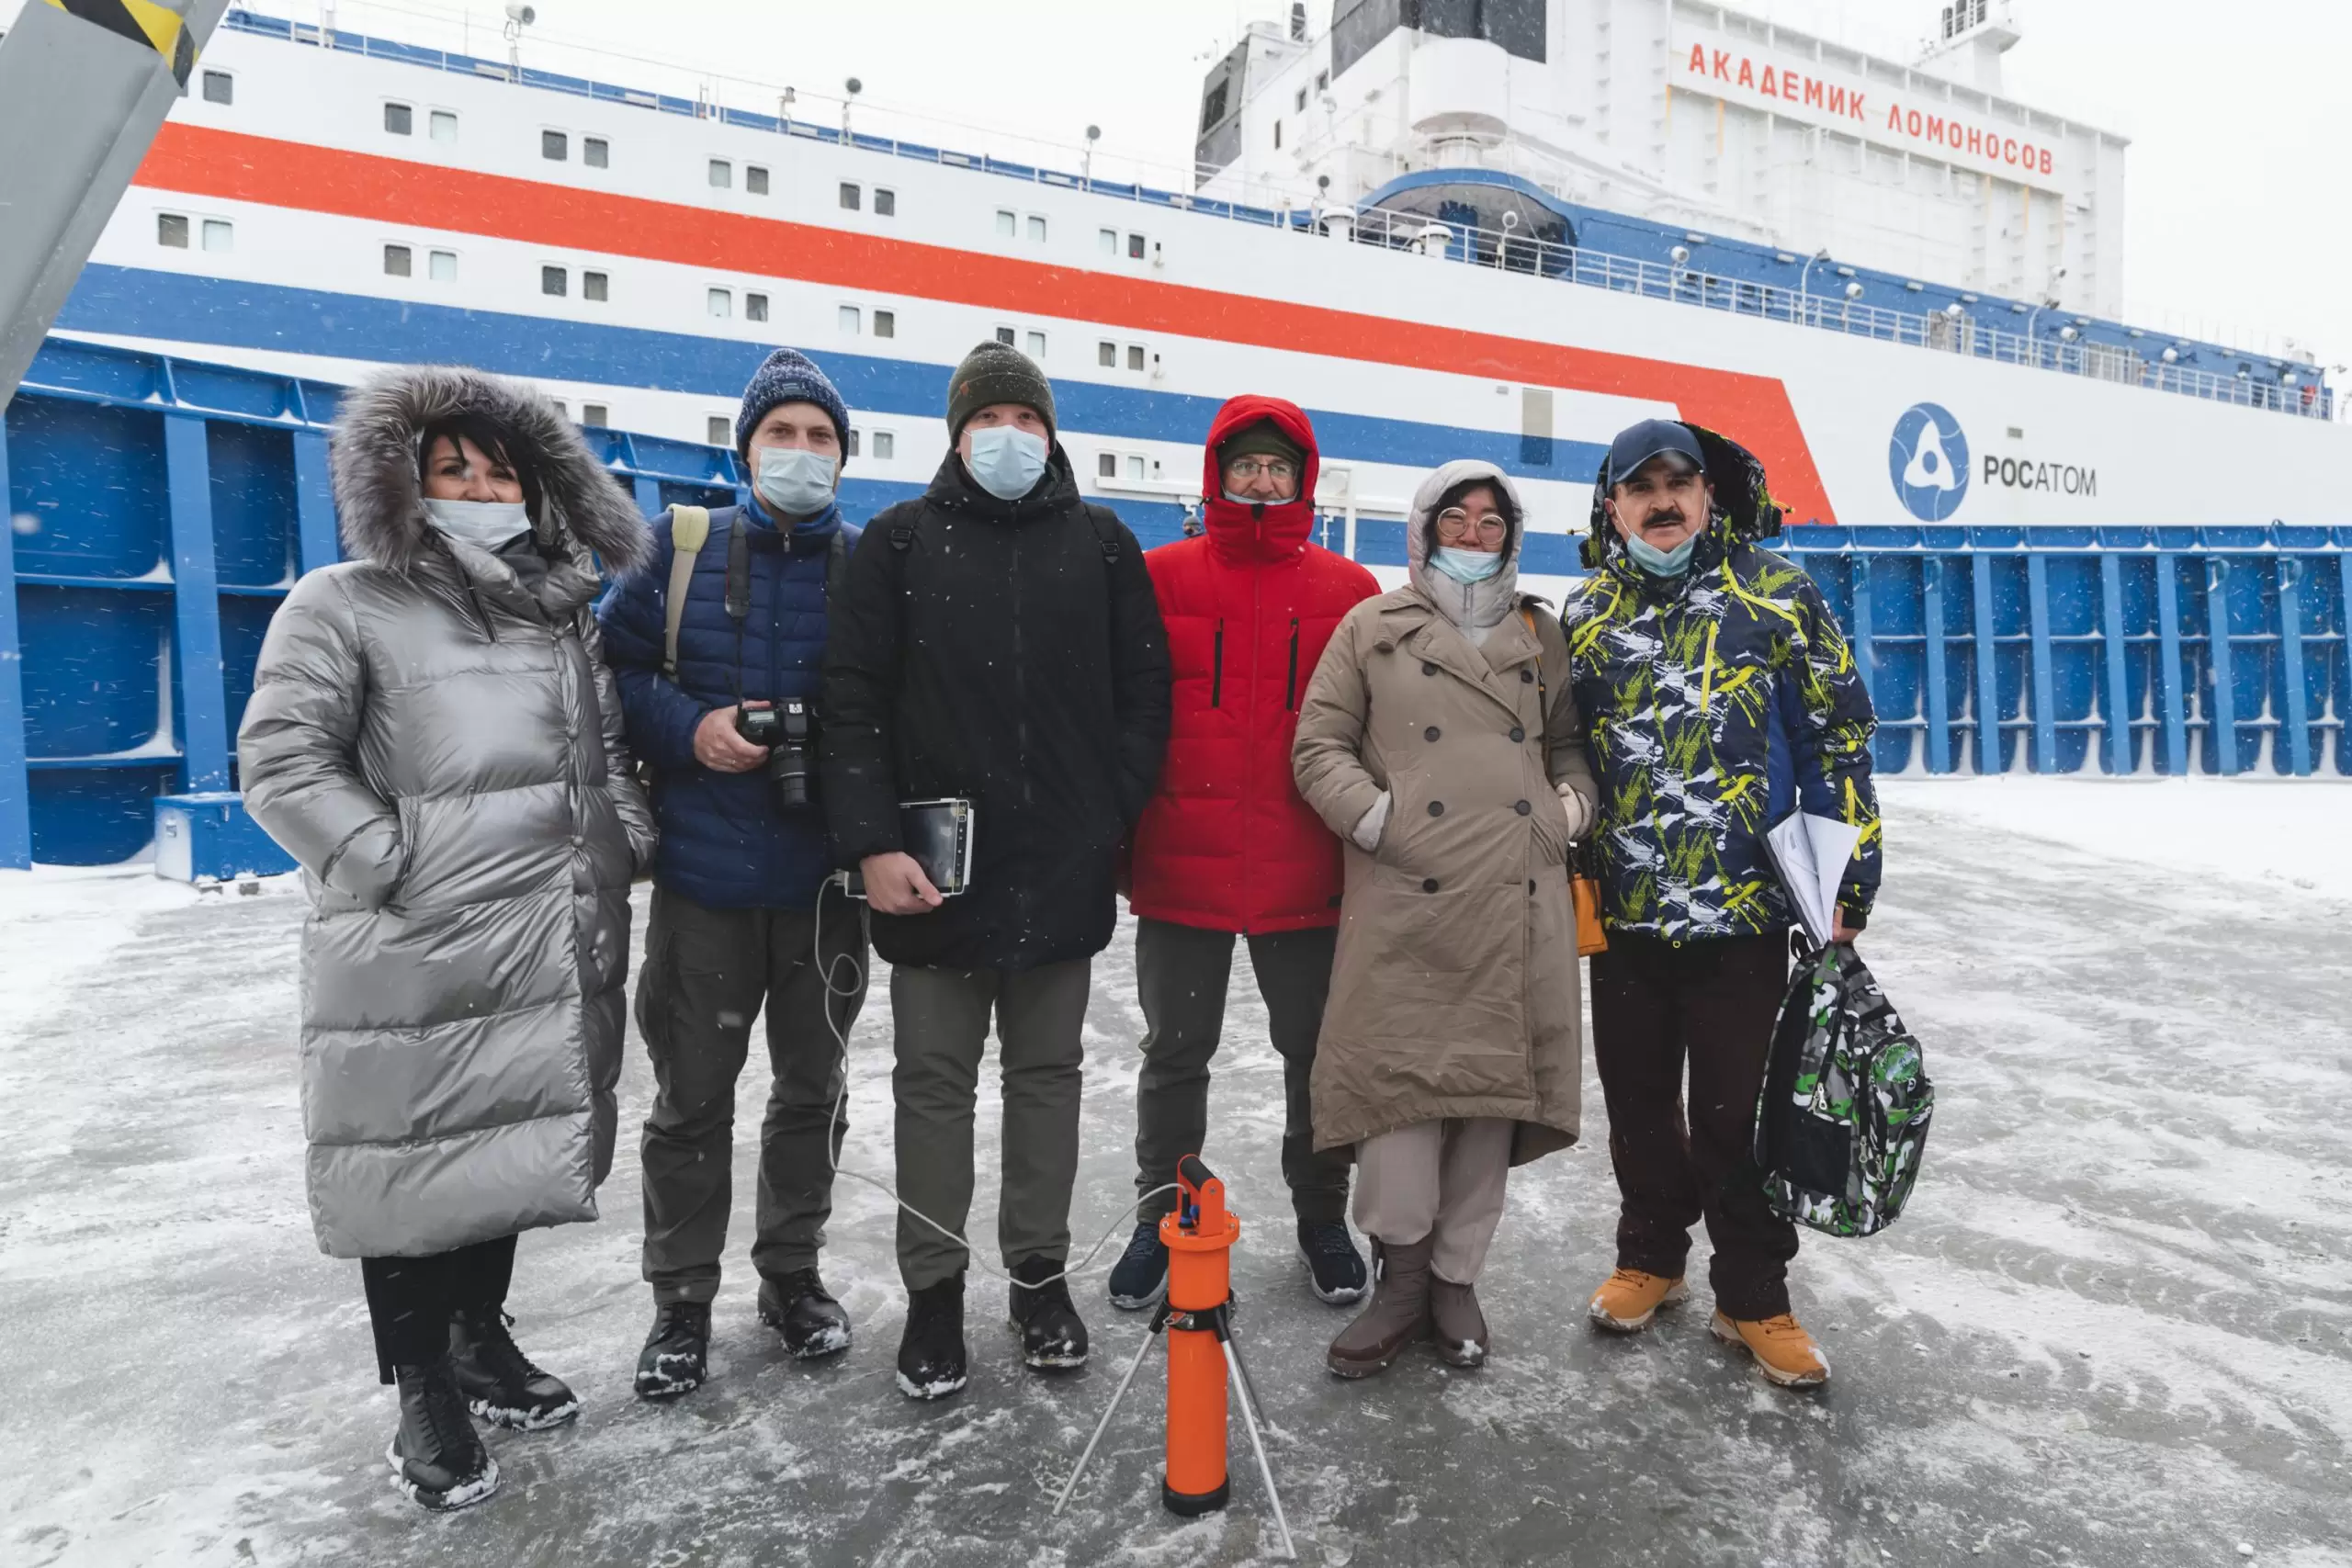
(2238, 210)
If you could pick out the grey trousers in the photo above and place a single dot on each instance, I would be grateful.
(942, 1017)
(1182, 974)
(1444, 1178)
(708, 974)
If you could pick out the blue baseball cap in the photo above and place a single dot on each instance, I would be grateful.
(1638, 444)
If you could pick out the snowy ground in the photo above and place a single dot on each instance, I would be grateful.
(2115, 1328)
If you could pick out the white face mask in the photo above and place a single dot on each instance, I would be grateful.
(1007, 461)
(487, 524)
(795, 480)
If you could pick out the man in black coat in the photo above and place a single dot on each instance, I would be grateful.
(997, 640)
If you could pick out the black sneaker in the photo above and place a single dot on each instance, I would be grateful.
(500, 1384)
(799, 1306)
(932, 1361)
(1334, 1267)
(1140, 1277)
(1052, 1337)
(437, 1456)
(676, 1356)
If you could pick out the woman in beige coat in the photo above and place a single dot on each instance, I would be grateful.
(1440, 738)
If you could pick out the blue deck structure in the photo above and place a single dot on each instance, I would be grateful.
(160, 508)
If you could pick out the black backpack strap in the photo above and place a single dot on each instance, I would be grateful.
(1106, 531)
(836, 565)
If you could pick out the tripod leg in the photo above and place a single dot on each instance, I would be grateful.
(1102, 1426)
(1249, 1383)
(1265, 1470)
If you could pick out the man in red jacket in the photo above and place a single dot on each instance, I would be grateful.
(1226, 847)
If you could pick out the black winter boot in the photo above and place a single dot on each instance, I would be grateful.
(677, 1353)
(1052, 1337)
(437, 1456)
(500, 1384)
(932, 1361)
(799, 1306)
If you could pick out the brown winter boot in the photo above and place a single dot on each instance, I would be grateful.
(1784, 1352)
(1628, 1299)
(1397, 1315)
(1459, 1327)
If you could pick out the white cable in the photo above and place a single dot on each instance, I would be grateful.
(857, 980)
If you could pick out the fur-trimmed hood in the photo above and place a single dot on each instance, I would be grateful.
(372, 454)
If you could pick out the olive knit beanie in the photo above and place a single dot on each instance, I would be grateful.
(1263, 438)
(997, 373)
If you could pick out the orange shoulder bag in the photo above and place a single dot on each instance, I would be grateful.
(1584, 883)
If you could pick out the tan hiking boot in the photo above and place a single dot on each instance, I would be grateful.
(1397, 1315)
(1456, 1322)
(1784, 1352)
(1631, 1298)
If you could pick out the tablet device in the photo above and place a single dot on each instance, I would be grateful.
(938, 834)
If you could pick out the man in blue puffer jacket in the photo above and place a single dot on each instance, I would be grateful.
(737, 879)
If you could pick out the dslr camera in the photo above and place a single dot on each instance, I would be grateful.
(789, 729)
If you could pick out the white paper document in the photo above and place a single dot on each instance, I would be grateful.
(1811, 855)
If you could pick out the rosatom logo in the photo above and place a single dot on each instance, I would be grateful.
(1928, 461)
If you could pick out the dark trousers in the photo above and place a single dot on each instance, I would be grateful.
(708, 973)
(942, 1021)
(1181, 978)
(1657, 1004)
(412, 1300)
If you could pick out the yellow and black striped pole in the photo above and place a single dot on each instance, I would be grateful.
(141, 22)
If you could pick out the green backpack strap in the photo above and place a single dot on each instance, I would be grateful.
(689, 529)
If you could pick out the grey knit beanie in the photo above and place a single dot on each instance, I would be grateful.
(997, 373)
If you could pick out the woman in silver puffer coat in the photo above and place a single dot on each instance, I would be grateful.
(435, 737)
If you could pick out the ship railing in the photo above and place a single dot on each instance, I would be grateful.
(1827, 310)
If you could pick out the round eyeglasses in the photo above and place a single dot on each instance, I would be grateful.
(1453, 525)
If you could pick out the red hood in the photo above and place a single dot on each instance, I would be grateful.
(1244, 531)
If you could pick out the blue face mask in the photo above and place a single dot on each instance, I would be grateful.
(1466, 566)
(795, 480)
(1006, 461)
(1658, 563)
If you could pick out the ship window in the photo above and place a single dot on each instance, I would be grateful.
(719, 303)
(852, 197)
(719, 430)
(1005, 222)
(442, 267)
(755, 178)
(1004, 336)
(1107, 356)
(1106, 466)
(1278, 134)
(399, 119)
(722, 175)
(1135, 467)
(1036, 345)
(885, 203)
(1301, 105)
(1134, 247)
(554, 280)
(1323, 81)
(849, 319)
(1212, 106)
(596, 151)
(554, 146)
(219, 235)
(596, 414)
(398, 261)
(755, 307)
(1135, 356)
(853, 433)
(886, 444)
(561, 408)
(1109, 240)
(220, 87)
(171, 229)
(596, 285)
(886, 324)
(1036, 229)
(443, 125)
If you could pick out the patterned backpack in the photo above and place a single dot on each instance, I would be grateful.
(1842, 1121)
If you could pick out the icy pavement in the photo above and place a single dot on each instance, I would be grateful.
(2114, 1328)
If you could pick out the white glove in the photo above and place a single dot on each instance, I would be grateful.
(1369, 826)
(1580, 812)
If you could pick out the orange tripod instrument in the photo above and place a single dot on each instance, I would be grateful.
(1204, 1362)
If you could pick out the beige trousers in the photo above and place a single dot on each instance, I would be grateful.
(1442, 1177)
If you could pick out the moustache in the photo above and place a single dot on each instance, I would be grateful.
(1671, 514)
